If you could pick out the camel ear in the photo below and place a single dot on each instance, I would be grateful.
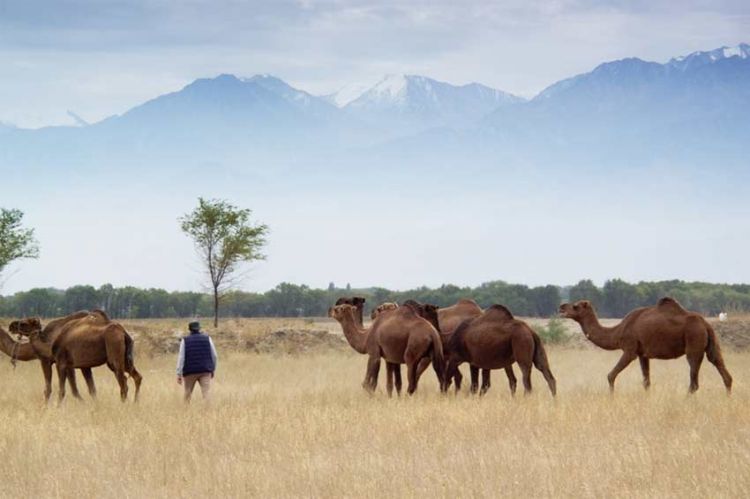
(585, 304)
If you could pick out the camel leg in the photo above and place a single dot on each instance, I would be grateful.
(412, 377)
(474, 372)
(123, 382)
(485, 381)
(137, 378)
(373, 369)
(89, 377)
(397, 378)
(457, 379)
(61, 376)
(71, 375)
(695, 360)
(718, 362)
(526, 376)
(512, 381)
(625, 360)
(646, 370)
(424, 363)
(47, 372)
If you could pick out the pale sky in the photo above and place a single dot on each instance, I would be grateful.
(98, 58)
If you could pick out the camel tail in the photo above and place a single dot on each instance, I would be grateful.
(542, 363)
(438, 360)
(128, 353)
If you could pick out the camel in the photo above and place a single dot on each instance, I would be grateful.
(383, 307)
(42, 347)
(399, 336)
(448, 319)
(90, 342)
(15, 349)
(357, 301)
(663, 331)
(495, 340)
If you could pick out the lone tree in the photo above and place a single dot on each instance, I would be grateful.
(16, 242)
(224, 238)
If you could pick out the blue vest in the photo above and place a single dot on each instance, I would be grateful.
(198, 357)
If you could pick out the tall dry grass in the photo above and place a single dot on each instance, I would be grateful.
(283, 426)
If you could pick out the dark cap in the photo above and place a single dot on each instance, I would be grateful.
(194, 326)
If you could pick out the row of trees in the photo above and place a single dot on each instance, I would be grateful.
(614, 299)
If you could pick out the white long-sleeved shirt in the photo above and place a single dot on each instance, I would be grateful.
(181, 355)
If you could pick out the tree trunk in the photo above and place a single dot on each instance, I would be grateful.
(216, 308)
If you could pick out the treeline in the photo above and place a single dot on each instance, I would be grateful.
(614, 299)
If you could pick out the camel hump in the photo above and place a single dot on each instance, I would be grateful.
(101, 314)
(669, 304)
(501, 311)
(466, 301)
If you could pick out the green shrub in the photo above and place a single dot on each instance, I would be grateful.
(554, 333)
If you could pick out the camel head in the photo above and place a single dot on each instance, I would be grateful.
(426, 311)
(354, 300)
(343, 312)
(383, 307)
(576, 311)
(26, 327)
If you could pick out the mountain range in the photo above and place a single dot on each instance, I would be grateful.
(686, 110)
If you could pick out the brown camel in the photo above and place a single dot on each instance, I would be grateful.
(42, 346)
(357, 301)
(448, 319)
(90, 342)
(495, 340)
(15, 349)
(663, 331)
(399, 336)
(383, 307)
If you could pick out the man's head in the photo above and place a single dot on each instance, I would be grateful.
(194, 327)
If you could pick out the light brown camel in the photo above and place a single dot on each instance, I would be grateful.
(663, 331)
(42, 346)
(495, 340)
(399, 336)
(357, 301)
(90, 342)
(448, 319)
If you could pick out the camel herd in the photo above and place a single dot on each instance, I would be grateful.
(83, 340)
(418, 334)
(415, 334)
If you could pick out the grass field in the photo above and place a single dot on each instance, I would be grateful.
(301, 426)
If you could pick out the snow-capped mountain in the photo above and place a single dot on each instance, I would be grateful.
(419, 102)
(689, 106)
(682, 63)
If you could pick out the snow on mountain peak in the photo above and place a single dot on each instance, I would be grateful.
(706, 57)
(390, 87)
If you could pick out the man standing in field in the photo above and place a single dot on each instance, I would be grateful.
(196, 361)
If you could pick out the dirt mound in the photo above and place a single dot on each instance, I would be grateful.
(284, 340)
(296, 341)
(734, 333)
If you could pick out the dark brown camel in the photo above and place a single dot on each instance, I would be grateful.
(399, 336)
(495, 340)
(42, 346)
(89, 342)
(358, 302)
(448, 319)
(663, 331)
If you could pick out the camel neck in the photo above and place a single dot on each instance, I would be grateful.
(607, 338)
(15, 349)
(355, 334)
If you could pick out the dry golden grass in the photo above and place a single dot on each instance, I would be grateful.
(282, 426)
